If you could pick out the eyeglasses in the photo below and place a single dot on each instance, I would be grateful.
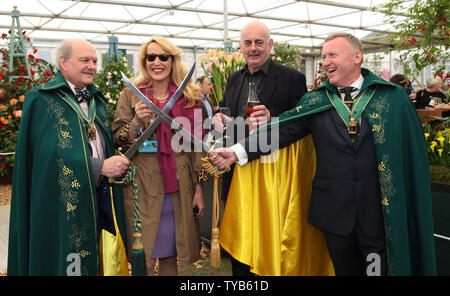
(162, 57)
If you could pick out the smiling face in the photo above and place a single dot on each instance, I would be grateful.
(341, 61)
(255, 45)
(158, 71)
(81, 66)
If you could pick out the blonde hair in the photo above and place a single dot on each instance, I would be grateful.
(177, 73)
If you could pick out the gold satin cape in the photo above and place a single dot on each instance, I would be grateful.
(112, 253)
(265, 219)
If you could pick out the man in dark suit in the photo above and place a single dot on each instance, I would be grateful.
(205, 90)
(350, 202)
(278, 88)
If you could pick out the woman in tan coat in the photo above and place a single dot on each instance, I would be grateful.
(169, 188)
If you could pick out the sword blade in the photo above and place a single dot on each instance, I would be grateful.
(162, 114)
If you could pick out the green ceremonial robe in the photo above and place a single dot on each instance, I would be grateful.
(54, 199)
(402, 168)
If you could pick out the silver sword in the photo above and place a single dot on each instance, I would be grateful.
(206, 146)
(146, 134)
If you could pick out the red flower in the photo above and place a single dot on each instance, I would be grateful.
(48, 73)
(31, 56)
(3, 165)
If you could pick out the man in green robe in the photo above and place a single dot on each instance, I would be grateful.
(371, 190)
(65, 217)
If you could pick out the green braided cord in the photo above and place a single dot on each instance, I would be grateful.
(130, 176)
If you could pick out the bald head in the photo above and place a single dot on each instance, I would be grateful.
(77, 61)
(256, 26)
(255, 44)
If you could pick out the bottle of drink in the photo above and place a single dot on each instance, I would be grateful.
(252, 100)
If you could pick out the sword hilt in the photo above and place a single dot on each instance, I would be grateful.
(113, 180)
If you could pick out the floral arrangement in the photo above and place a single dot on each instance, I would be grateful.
(320, 78)
(427, 20)
(437, 134)
(109, 81)
(288, 55)
(218, 65)
(12, 96)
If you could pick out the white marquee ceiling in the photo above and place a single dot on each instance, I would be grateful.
(196, 23)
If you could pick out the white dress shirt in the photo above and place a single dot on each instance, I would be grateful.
(96, 145)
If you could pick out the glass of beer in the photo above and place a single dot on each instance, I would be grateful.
(252, 99)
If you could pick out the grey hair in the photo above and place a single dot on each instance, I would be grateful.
(355, 42)
(432, 82)
(64, 51)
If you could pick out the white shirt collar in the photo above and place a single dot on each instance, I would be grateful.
(72, 86)
(357, 83)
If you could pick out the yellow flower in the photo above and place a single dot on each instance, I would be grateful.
(426, 136)
(433, 144)
(441, 140)
(440, 152)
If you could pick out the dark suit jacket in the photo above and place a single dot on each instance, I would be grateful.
(280, 91)
(345, 187)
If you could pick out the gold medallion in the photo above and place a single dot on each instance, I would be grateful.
(90, 130)
(352, 127)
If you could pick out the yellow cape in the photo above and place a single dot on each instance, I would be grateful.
(265, 219)
(112, 253)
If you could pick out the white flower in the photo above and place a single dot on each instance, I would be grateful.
(115, 72)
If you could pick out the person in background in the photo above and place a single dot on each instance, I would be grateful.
(205, 91)
(431, 97)
(61, 206)
(401, 80)
(171, 195)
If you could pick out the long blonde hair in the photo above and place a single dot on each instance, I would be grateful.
(177, 74)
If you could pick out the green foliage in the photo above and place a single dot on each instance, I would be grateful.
(12, 96)
(440, 174)
(423, 37)
(288, 55)
(109, 81)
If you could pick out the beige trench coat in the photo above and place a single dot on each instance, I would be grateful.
(151, 195)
